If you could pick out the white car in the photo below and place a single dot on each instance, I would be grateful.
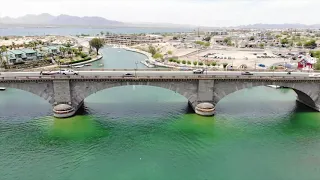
(198, 71)
(314, 75)
(69, 72)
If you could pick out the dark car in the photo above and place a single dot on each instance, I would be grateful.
(128, 75)
(247, 73)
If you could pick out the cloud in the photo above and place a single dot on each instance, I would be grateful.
(196, 12)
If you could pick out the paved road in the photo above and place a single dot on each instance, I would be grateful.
(163, 73)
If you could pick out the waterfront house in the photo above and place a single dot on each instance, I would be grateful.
(10, 57)
(29, 54)
(51, 50)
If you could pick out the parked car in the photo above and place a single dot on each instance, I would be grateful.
(247, 73)
(128, 75)
(198, 71)
(68, 72)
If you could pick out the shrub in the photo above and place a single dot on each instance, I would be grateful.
(200, 63)
(189, 62)
(178, 61)
(184, 62)
(83, 55)
(214, 63)
(195, 63)
(87, 58)
(158, 56)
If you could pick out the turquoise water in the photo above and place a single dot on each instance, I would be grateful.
(138, 132)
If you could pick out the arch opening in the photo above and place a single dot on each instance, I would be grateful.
(136, 99)
(263, 96)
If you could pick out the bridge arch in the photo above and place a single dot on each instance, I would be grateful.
(43, 89)
(82, 89)
(305, 91)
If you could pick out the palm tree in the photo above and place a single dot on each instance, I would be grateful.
(63, 51)
(80, 48)
(13, 45)
(3, 50)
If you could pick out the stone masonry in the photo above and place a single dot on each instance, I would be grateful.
(74, 91)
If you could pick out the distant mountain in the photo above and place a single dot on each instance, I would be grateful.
(278, 26)
(47, 19)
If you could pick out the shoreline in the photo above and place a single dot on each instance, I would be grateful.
(84, 62)
(148, 55)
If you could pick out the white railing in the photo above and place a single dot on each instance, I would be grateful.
(169, 77)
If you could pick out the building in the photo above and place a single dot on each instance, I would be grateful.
(217, 33)
(51, 50)
(306, 62)
(29, 54)
(130, 40)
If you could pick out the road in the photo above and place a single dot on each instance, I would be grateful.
(163, 73)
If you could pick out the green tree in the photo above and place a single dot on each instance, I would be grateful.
(178, 61)
(200, 63)
(195, 63)
(158, 56)
(317, 65)
(152, 50)
(3, 50)
(207, 44)
(189, 62)
(227, 39)
(261, 46)
(299, 44)
(284, 41)
(169, 52)
(97, 44)
(310, 44)
(101, 33)
(207, 39)
(62, 51)
(225, 65)
(184, 61)
(80, 48)
(214, 63)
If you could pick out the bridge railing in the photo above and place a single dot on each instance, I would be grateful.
(184, 77)
(156, 69)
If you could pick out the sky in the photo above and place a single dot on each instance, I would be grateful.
(214, 13)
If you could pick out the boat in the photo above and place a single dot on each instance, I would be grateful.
(88, 65)
(80, 66)
(148, 64)
(2, 88)
(101, 65)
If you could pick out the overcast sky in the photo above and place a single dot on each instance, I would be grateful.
(194, 12)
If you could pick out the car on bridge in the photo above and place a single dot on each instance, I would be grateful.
(49, 73)
(68, 72)
(128, 75)
(314, 75)
(247, 73)
(198, 71)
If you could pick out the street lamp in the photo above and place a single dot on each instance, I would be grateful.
(136, 68)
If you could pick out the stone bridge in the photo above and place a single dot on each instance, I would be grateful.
(66, 94)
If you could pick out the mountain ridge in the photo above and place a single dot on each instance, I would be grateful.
(46, 19)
